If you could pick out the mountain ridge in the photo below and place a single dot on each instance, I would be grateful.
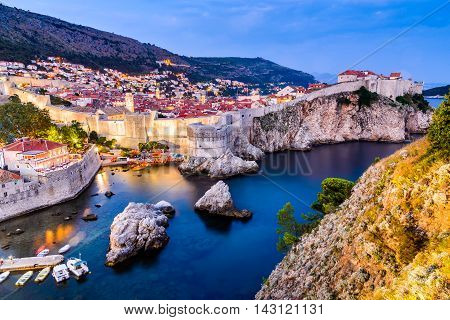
(25, 36)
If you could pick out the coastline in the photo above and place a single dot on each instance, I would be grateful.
(52, 192)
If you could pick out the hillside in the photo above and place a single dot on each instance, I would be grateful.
(438, 91)
(389, 240)
(25, 36)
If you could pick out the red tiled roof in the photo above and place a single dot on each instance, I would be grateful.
(24, 145)
(7, 176)
(396, 74)
(358, 73)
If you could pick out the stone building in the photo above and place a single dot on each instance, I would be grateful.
(31, 156)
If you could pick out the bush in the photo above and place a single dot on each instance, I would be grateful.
(57, 101)
(365, 97)
(416, 100)
(439, 131)
(343, 101)
(334, 192)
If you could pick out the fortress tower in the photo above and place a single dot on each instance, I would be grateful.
(129, 102)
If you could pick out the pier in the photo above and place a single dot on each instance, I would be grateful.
(31, 263)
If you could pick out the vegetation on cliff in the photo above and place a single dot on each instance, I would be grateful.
(334, 192)
(389, 240)
(415, 100)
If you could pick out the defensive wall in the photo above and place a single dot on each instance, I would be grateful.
(51, 188)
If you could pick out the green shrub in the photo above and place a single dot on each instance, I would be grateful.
(57, 101)
(439, 131)
(334, 192)
(416, 100)
(365, 97)
(343, 101)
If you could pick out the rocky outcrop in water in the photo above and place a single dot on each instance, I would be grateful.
(336, 118)
(217, 201)
(140, 227)
(389, 240)
(226, 165)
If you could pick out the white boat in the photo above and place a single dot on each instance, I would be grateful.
(64, 249)
(78, 267)
(24, 278)
(60, 273)
(43, 253)
(42, 274)
(4, 276)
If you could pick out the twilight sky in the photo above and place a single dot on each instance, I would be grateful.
(309, 35)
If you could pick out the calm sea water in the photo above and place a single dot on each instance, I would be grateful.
(206, 258)
(434, 102)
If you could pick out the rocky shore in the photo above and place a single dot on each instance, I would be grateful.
(140, 227)
(226, 165)
(337, 118)
(217, 201)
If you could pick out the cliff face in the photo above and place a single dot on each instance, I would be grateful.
(389, 240)
(336, 118)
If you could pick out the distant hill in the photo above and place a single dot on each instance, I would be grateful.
(439, 91)
(25, 35)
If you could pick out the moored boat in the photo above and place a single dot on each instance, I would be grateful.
(41, 248)
(43, 253)
(60, 273)
(24, 278)
(4, 276)
(64, 249)
(42, 274)
(78, 267)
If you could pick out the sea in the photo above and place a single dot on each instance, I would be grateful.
(206, 257)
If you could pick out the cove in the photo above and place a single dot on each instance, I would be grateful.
(207, 257)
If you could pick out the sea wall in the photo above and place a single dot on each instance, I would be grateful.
(52, 188)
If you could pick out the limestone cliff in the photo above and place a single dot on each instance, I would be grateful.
(389, 240)
(336, 118)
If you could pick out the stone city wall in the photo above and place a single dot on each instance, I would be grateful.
(55, 187)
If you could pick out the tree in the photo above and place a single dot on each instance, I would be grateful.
(93, 137)
(439, 130)
(290, 230)
(74, 135)
(334, 192)
(22, 120)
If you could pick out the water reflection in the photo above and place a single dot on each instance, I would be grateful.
(203, 254)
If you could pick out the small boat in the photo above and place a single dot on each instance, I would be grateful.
(4, 276)
(60, 273)
(40, 249)
(64, 249)
(78, 267)
(42, 274)
(24, 278)
(43, 253)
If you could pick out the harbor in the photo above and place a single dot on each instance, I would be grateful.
(30, 263)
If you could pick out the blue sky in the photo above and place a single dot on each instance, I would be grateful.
(308, 35)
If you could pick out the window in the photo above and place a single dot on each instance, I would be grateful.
(5, 194)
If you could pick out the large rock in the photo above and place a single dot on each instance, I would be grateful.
(217, 201)
(140, 227)
(336, 118)
(226, 165)
(244, 149)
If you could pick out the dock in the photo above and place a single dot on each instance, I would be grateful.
(31, 263)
